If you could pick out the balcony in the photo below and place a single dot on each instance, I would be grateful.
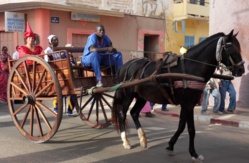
(191, 9)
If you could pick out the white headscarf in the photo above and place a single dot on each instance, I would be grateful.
(50, 38)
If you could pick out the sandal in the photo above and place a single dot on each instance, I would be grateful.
(149, 114)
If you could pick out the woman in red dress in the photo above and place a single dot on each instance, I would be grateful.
(30, 48)
(4, 74)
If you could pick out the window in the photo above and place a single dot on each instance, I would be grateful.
(181, 24)
(189, 41)
(202, 38)
(193, 1)
(198, 2)
(202, 2)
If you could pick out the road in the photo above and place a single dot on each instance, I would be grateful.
(78, 143)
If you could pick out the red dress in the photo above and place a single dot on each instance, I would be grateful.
(146, 108)
(4, 74)
(24, 51)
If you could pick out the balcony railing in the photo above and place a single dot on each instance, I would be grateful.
(190, 9)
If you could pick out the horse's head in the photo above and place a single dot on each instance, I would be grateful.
(228, 52)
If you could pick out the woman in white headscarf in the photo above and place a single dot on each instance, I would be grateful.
(53, 42)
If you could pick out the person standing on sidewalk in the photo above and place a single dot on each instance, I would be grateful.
(164, 106)
(226, 86)
(211, 88)
(147, 110)
(4, 74)
(16, 54)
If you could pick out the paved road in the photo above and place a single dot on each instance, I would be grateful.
(76, 142)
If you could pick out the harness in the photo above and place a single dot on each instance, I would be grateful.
(170, 60)
(229, 49)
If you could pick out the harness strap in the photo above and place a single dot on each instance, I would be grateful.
(160, 87)
(142, 73)
(184, 71)
(190, 84)
(125, 76)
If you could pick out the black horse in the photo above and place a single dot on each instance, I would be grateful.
(201, 61)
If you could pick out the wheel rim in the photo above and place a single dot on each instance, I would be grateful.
(98, 115)
(36, 86)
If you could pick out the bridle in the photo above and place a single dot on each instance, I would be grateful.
(229, 50)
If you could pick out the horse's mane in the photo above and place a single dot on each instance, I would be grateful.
(199, 47)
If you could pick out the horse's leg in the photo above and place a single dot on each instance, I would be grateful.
(135, 114)
(126, 101)
(191, 132)
(122, 122)
(122, 128)
(181, 127)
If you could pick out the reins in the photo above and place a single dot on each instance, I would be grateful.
(200, 62)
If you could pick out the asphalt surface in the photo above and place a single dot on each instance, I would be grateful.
(239, 119)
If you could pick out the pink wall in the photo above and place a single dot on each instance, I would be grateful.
(127, 33)
(123, 31)
(143, 32)
(42, 25)
(223, 18)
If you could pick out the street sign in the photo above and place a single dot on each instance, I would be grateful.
(55, 20)
(14, 22)
(85, 17)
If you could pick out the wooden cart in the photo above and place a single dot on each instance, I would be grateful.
(34, 85)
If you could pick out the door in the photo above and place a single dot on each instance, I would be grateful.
(7, 39)
(79, 40)
(151, 43)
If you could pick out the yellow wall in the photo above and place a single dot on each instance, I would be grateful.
(174, 40)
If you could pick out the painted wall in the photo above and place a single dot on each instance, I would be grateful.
(223, 18)
(123, 31)
(174, 40)
(147, 8)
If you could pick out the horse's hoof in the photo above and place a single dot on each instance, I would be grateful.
(199, 159)
(143, 144)
(127, 146)
(170, 152)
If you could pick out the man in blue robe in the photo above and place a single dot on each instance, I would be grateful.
(99, 51)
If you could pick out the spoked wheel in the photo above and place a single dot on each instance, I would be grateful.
(32, 89)
(96, 112)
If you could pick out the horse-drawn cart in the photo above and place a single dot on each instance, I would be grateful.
(38, 84)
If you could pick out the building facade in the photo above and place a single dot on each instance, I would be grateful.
(223, 18)
(187, 23)
(136, 27)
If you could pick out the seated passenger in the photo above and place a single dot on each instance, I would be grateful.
(72, 60)
(54, 42)
(29, 48)
(99, 51)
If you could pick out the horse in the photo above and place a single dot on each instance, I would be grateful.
(201, 60)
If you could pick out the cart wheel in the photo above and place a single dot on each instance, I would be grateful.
(97, 115)
(33, 84)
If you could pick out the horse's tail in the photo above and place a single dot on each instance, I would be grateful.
(117, 111)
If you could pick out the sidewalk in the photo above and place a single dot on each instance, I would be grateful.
(240, 119)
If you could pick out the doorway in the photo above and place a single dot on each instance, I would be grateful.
(151, 43)
(7, 39)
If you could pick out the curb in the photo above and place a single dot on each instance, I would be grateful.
(211, 120)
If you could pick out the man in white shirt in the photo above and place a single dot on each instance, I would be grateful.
(227, 86)
(211, 88)
(16, 54)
